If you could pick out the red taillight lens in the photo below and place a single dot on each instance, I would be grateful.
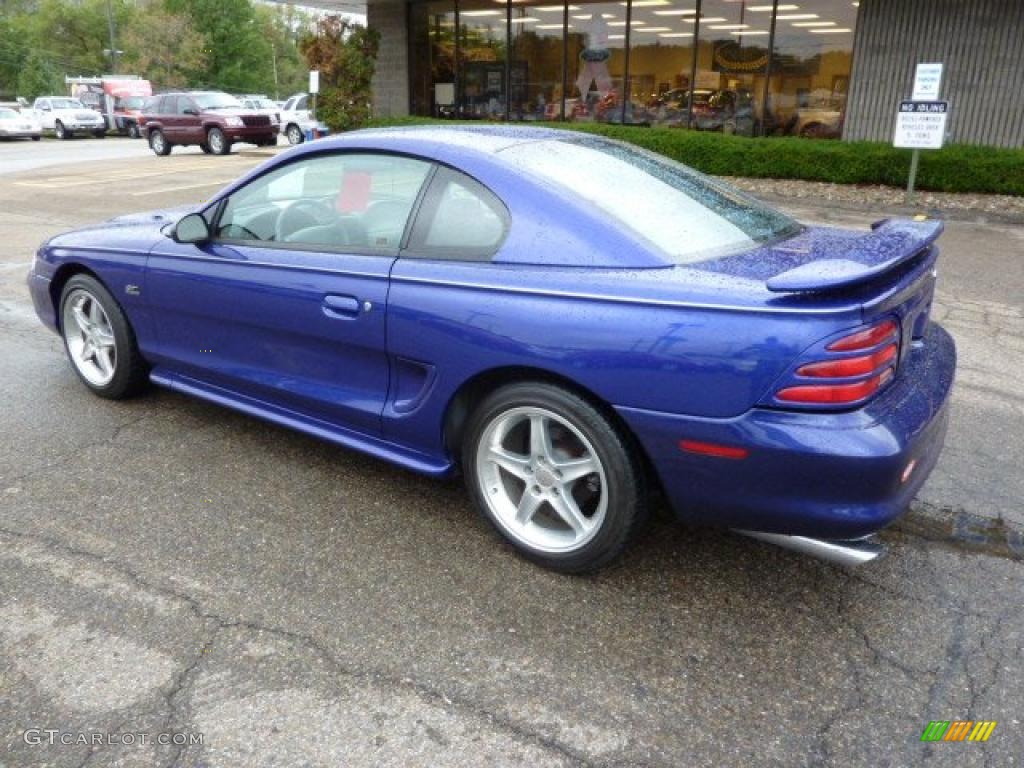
(835, 394)
(865, 339)
(850, 366)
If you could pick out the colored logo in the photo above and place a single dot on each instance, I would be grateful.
(958, 730)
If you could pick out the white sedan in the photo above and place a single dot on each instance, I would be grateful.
(16, 125)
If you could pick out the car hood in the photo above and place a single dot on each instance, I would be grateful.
(133, 231)
(158, 218)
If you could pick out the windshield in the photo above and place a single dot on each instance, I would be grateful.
(66, 104)
(686, 215)
(263, 104)
(215, 101)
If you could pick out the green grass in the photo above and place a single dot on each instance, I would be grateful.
(954, 168)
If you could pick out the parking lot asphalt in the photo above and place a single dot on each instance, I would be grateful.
(170, 567)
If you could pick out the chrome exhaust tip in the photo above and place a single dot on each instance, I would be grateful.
(846, 553)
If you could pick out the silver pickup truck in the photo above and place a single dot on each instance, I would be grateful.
(66, 116)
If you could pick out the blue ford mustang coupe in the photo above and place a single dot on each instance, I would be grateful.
(570, 321)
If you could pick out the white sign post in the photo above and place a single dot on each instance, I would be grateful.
(921, 122)
(314, 88)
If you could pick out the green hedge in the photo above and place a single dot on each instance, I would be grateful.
(955, 168)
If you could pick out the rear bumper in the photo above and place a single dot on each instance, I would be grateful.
(825, 475)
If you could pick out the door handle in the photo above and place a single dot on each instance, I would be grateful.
(341, 306)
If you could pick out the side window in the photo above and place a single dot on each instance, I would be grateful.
(169, 105)
(342, 201)
(185, 103)
(460, 219)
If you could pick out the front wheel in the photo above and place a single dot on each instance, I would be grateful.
(217, 142)
(99, 341)
(554, 476)
(60, 131)
(294, 134)
(158, 143)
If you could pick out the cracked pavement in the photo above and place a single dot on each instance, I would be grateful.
(167, 567)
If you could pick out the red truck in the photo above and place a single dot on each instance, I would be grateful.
(119, 98)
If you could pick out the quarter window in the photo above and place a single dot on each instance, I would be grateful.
(345, 201)
(460, 219)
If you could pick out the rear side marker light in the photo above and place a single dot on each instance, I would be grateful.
(851, 366)
(713, 449)
(865, 339)
(833, 394)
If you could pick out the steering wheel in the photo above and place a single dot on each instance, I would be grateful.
(303, 214)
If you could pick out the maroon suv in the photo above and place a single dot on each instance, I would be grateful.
(211, 119)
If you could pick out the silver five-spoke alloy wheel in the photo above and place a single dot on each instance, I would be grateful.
(89, 337)
(542, 479)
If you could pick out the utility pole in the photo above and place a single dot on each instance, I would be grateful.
(113, 47)
(277, 90)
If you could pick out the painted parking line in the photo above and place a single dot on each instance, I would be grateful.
(108, 177)
(162, 190)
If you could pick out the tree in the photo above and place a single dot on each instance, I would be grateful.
(164, 48)
(345, 55)
(39, 77)
(239, 57)
(284, 27)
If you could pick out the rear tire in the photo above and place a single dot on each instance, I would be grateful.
(100, 134)
(159, 143)
(218, 142)
(133, 131)
(99, 340)
(554, 476)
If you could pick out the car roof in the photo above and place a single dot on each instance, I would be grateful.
(488, 139)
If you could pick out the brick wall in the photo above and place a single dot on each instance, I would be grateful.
(391, 80)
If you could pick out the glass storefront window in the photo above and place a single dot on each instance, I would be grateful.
(661, 61)
(811, 67)
(702, 64)
(482, 41)
(432, 48)
(596, 60)
(732, 63)
(536, 70)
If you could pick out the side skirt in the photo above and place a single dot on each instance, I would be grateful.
(381, 449)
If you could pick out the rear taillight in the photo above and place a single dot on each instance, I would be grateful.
(851, 368)
(865, 339)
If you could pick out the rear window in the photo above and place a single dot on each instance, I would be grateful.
(686, 215)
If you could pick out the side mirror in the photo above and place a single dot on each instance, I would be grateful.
(191, 229)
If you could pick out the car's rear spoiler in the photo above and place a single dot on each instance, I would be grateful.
(890, 243)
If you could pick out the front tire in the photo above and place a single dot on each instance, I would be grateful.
(218, 142)
(554, 476)
(159, 143)
(60, 131)
(99, 341)
(294, 134)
